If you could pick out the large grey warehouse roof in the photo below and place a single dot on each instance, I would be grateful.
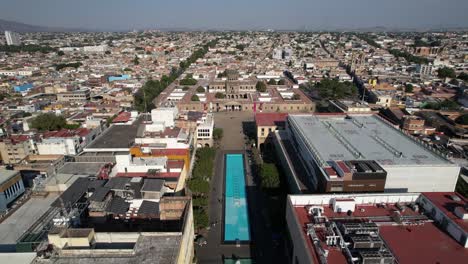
(335, 137)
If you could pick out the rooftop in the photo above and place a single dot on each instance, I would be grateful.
(5, 175)
(422, 244)
(24, 217)
(64, 133)
(150, 248)
(407, 233)
(152, 185)
(122, 118)
(117, 136)
(447, 204)
(82, 168)
(337, 137)
(270, 119)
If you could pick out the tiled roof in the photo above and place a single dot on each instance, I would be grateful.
(270, 119)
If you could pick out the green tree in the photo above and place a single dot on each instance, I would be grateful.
(449, 105)
(445, 105)
(333, 89)
(218, 133)
(261, 86)
(26, 48)
(296, 97)
(463, 119)
(281, 82)
(219, 95)
(463, 76)
(143, 98)
(222, 74)
(136, 60)
(75, 65)
(200, 202)
(110, 119)
(272, 82)
(408, 88)
(240, 47)
(48, 122)
(446, 72)
(200, 89)
(269, 176)
(408, 56)
(199, 186)
(195, 98)
(188, 81)
(454, 82)
(60, 53)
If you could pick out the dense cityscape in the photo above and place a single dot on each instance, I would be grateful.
(153, 146)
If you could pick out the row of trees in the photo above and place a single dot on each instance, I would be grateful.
(143, 99)
(395, 52)
(199, 184)
(408, 56)
(269, 176)
(444, 105)
(274, 82)
(75, 65)
(26, 48)
(369, 40)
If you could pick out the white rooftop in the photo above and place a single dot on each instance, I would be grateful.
(365, 137)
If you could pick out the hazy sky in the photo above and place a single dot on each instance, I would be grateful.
(236, 14)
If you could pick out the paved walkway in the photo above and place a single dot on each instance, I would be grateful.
(261, 247)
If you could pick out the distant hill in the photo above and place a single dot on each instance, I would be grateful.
(21, 27)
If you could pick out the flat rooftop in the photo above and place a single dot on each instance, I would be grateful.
(117, 136)
(157, 249)
(414, 240)
(363, 137)
(81, 168)
(16, 224)
(5, 175)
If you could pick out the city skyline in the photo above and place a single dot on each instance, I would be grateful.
(124, 15)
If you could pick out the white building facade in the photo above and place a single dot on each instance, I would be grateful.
(12, 38)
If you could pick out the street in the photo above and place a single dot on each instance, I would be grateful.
(261, 248)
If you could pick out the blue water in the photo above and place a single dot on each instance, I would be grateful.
(236, 220)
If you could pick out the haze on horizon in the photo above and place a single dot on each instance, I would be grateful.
(239, 14)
